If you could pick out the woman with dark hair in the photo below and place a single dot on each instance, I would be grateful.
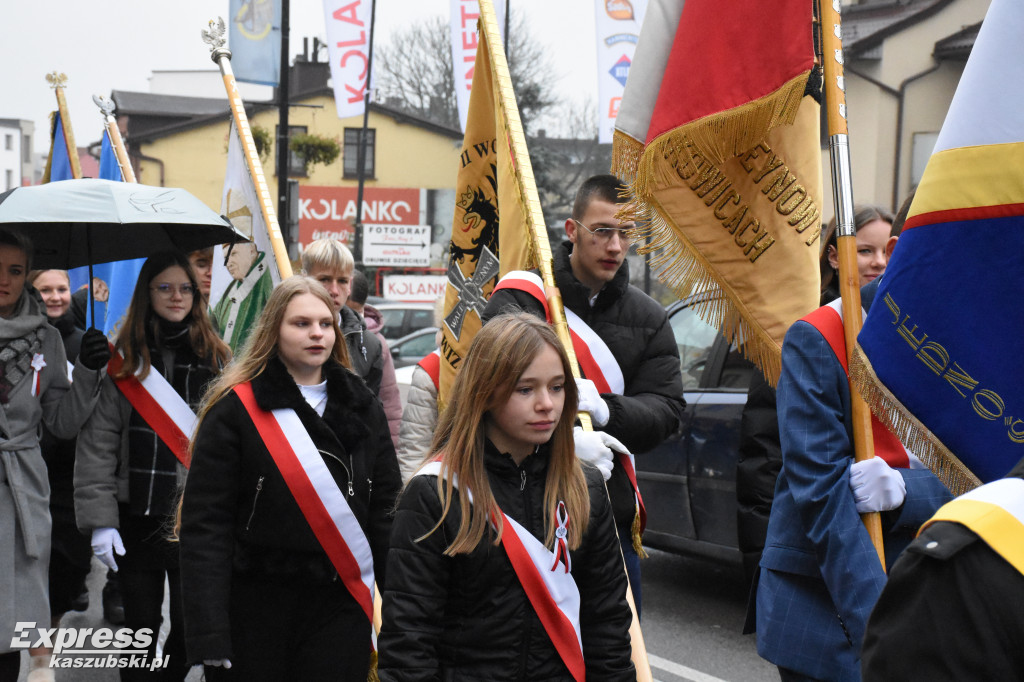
(286, 514)
(874, 245)
(34, 389)
(132, 454)
(506, 497)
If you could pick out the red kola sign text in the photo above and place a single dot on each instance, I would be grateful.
(328, 212)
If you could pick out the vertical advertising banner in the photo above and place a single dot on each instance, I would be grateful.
(255, 40)
(348, 44)
(464, 15)
(617, 24)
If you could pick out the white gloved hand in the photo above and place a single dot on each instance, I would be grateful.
(218, 663)
(598, 448)
(592, 402)
(876, 486)
(105, 542)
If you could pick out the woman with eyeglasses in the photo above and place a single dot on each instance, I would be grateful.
(133, 452)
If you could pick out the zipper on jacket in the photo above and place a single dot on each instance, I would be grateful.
(348, 469)
(369, 489)
(524, 653)
(259, 487)
(522, 484)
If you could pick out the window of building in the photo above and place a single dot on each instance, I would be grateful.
(26, 149)
(10, 179)
(351, 152)
(8, 142)
(295, 165)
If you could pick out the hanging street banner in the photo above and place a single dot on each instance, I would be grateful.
(255, 41)
(328, 212)
(464, 15)
(348, 45)
(396, 246)
(617, 24)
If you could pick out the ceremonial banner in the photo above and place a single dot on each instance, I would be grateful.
(641, 92)
(58, 163)
(726, 193)
(255, 40)
(113, 283)
(491, 184)
(464, 15)
(618, 30)
(244, 274)
(937, 357)
(348, 45)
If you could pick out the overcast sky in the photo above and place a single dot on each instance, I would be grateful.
(117, 44)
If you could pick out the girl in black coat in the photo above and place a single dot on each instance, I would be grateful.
(263, 599)
(454, 608)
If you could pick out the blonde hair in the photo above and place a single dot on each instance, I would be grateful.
(261, 345)
(329, 254)
(497, 358)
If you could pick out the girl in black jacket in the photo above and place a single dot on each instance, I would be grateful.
(454, 606)
(262, 592)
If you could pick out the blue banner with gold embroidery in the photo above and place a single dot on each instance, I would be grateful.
(255, 40)
(938, 357)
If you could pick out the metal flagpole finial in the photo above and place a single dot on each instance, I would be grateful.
(57, 80)
(106, 106)
(214, 37)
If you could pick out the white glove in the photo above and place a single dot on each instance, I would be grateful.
(105, 542)
(592, 402)
(219, 663)
(598, 448)
(876, 487)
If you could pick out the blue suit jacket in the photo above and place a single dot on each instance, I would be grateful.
(820, 575)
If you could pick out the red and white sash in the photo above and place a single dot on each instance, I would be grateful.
(159, 405)
(431, 364)
(317, 493)
(828, 320)
(552, 592)
(595, 358)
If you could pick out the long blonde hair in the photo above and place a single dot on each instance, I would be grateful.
(261, 346)
(497, 358)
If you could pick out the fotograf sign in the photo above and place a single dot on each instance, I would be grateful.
(396, 245)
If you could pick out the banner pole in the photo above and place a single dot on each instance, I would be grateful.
(515, 138)
(221, 56)
(114, 133)
(59, 81)
(846, 231)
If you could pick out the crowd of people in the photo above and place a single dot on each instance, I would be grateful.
(260, 480)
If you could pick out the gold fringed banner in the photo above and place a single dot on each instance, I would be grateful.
(914, 435)
(626, 153)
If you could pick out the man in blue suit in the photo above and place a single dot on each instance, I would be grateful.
(819, 574)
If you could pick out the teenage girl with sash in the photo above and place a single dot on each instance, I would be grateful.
(504, 560)
(285, 518)
(133, 452)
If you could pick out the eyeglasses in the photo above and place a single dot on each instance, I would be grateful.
(167, 290)
(604, 234)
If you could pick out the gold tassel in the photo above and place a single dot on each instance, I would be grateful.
(371, 675)
(634, 534)
(626, 153)
(917, 437)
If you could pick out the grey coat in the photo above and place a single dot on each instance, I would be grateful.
(24, 491)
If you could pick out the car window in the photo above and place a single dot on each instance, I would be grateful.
(392, 322)
(694, 337)
(418, 346)
(418, 319)
(737, 371)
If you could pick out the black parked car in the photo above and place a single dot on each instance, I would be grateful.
(689, 481)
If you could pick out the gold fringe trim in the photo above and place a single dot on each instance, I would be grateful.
(372, 675)
(912, 433)
(634, 535)
(729, 133)
(680, 267)
(626, 153)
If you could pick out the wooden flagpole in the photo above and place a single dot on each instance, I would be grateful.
(515, 138)
(221, 56)
(114, 133)
(58, 81)
(846, 230)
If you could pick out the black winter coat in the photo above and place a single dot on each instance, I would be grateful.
(636, 330)
(468, 618)
(238, 516)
